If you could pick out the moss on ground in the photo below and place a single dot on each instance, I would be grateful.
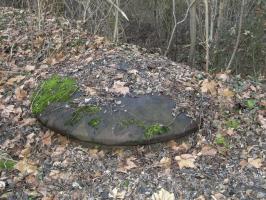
(55, 89)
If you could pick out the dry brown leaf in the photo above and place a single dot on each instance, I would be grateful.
(58, 151)
(28, 121)
(165, 162)
(16, 79)
(29, 68)
(90, 91)
(178, 147)
(47, 138)
(262, 103)
(128, 165)
(119, 152)
(243, 163)
(115, 194)
(218, 196)
(230, 132)
(262, 121)
(20, 94)
(38, 42)
(186, 161)
(201, 197)
(163, 195)
(25, 166)
(119, 87)
(99, 40)
(227, 93)
(208, 151)
(222, 76)
(209, 87)
(25, 152)
(257, 162)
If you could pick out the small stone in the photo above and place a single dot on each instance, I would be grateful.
(261, 195)
(2, 185)
(118, 102)
(76, 185)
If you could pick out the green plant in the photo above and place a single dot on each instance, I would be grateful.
(7, 164)
(55, 89)
(251, 103)
(221, 140)
(233, 123)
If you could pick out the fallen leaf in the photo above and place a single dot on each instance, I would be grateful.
(47, 138)
(208, 151)
(201, 197)
(257, 162)
(178, 147)
(117, 195)
(25, 166)
(209, 87)
(243, 163)
(218, 196)
(25, 152)
(222, 76)
(20, 94)
(262, 121)
(230, 132)
(29, 68)
(16, 79)
(163, 195)
(28, 121)
(165, 162)
(227, 93)
(90, 91)
(119, 87)
(128, 165)
(58, 151)
(186, 161)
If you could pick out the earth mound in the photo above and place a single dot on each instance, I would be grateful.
(120, 95)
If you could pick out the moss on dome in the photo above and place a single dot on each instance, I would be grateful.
(52, 90)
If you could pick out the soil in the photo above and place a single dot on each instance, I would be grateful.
(225, 159)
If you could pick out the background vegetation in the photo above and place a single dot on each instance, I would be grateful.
(181, 25)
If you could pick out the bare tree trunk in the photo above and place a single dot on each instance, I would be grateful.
(115, 36)
(238, 35)
(177, 23)
(213, 17)
(207, 34)
(220, 18)
(193, 34)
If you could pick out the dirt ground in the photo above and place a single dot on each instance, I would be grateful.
(225, 159)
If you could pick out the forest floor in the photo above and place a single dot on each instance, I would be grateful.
(225, 159)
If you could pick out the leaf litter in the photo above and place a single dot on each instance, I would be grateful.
(56, 167)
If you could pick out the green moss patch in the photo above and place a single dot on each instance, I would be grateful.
(55, 89)
(81, 111)
(155, 129)
(95, 122)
